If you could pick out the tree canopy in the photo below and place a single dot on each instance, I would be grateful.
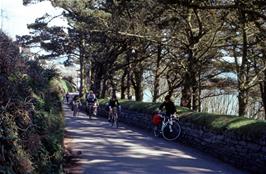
(194, 50)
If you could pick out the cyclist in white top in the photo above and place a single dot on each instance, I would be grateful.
(91, 101)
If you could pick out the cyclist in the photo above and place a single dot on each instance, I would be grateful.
(75, 105)
(171, 129)
(91, 103)
(113, 104)
(169, 106)
(67, 97)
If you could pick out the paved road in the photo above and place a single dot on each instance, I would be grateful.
(127, 150)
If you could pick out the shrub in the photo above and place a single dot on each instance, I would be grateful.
(31, 120)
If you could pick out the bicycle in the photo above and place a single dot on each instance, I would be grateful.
(114, 117)
(170, 128)
(91, 110)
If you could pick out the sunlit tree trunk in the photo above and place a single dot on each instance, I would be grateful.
(263, 88)
(123, 85)
(242, 75)
(82, 88)
(156, 84)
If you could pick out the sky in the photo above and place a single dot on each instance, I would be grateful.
(15, 20)
(15, 16)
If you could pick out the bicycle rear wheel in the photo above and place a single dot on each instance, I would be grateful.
(116, 123)
(90, 112)
(114, 120)
(171, 131)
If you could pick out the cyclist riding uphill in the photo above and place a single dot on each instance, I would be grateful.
(169, 106)
(91, 97)
(113, 102)
(91, 103)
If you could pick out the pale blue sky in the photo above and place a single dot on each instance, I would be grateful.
(16, 16)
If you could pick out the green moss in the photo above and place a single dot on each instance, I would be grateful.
(254, 129)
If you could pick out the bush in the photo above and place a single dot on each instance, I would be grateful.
(31, 121)
(254, 129)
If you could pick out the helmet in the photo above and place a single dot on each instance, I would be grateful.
(168, 97)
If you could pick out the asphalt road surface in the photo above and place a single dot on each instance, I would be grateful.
(128, 150)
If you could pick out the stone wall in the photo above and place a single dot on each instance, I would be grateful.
(240, 151)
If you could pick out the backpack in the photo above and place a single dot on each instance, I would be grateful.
(156, 119)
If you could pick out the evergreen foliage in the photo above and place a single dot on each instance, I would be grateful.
(169, 47)
(31, 120)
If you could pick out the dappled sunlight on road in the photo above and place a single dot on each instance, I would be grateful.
(127, 150)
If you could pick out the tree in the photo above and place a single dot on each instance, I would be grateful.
(181, 43)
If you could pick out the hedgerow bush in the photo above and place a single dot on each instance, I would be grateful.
(31, 119)
(245, 127)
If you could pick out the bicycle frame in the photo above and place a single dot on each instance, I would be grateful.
(91, 109)
(166, 121)
(168, 126)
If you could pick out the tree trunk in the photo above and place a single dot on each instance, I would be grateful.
(156, 83)
(128, 72)
(195, 89)
(82, 89)
(123, 86)
(138, 87)
(188, 81)
(243, 102)
(104, 88)
(243, 91)
(194, 98)
(113, 87)
(98, 79)
(199, 92)
(186, 92)
(137, 82)
(88, 75)
(263, 93)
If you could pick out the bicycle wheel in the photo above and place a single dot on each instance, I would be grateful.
(115, 117)
(171, 131)
(90, 112)
(116, 123)
(112, 120)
